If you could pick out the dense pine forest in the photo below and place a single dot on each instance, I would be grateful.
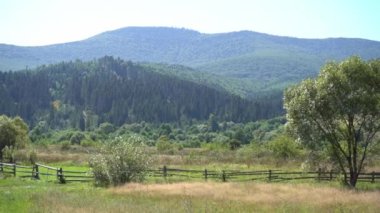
(82, 95)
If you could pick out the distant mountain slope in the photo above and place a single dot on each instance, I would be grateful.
(246, 88)
(76, 94)
(267, 60)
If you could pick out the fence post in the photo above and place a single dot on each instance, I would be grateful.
(14, 170)
(331, 174)
(373, 177)
(223, 176)
(36, 172)
(319, 174)
(60, 176)
(270, 175)
(165, 172)
(205, 174)
(1, 167)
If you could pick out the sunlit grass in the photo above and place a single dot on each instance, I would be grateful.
(23, 195)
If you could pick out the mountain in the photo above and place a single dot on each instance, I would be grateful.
(265, 61)
(83, 94)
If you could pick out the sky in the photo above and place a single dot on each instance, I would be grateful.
(42, 22)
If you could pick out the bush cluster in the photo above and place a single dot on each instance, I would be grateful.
(120, 161)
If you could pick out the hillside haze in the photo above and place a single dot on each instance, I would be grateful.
(266, 60)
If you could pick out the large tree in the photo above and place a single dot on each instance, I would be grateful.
(13, 133)
(340, 108)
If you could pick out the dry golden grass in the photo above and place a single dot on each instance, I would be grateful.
(54, 154)
(258, 193)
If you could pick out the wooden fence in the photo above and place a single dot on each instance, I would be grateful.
(40, 171)
(264, 175)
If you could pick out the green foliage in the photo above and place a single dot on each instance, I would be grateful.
(39, 131)
(13, 133)
(216, 146)
(65, 135)
(106, 128)
(164, 145)
(340, 108)
(213, 123)
(284, 147)
(120, 161)
(234, 144)
(190, 135)
(8, 154)
(165, 129)
(77, 137)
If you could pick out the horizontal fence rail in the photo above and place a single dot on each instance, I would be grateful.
(265, 175)
(40, 171)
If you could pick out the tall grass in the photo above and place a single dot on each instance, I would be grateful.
(20, 195)
(263, 194)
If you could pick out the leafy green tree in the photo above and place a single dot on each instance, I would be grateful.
(341, 108)
(120, 161)
(39, 131)
(213, 123)
(13, 133)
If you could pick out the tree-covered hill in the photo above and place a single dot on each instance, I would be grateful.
(83, 94)
(267, 61)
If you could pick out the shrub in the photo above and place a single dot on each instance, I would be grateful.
(284, 147)
(66, 136)
(120, 161)
(39, 131)
(93, 136)
(106, 128)
(13, 133)
(8, 154)
(12, 155)
(234, 144)
(77, 137)
(164, 145)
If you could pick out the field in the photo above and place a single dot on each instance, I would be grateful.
(20, 195)
(182, 195)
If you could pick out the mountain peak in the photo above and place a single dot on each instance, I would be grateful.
(147, 32)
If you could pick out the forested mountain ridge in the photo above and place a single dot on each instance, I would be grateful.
(267, 61)
(83, 94)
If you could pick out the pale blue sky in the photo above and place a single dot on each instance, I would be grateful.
(39, 22)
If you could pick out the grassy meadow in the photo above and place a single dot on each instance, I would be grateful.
(181, 195)
(22, 195)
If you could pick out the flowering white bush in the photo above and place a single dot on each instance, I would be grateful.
(120, 161)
